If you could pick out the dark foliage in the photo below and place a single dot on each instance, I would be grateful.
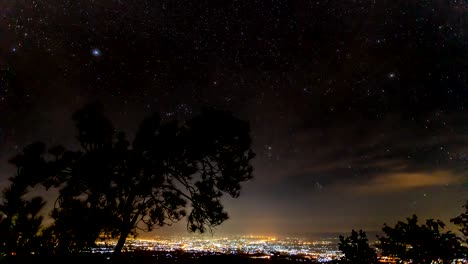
(462, 222)
(356, 249)
(20, 220)
(420, 243)
(112, 187)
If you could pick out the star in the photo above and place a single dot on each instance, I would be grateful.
(391, 75)
(307, 90)
(96, 52)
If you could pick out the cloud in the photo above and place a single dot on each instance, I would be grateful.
(368, 151)
(404, 181)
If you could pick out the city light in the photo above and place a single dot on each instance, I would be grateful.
(322, 250)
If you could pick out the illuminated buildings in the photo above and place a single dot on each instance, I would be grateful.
(256, 246)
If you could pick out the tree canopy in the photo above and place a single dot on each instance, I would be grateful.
(111, 187)
(356, 249)
(426, 243)
(462, 222)
(20, 218)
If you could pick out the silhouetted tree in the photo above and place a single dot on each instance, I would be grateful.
(75, 228)
(462, 222)
(113, 187)
(356, 249)
(19, 216)
(420, 243)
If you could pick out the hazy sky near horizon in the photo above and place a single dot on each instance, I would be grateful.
(358, 108)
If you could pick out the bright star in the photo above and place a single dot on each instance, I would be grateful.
(96, 52)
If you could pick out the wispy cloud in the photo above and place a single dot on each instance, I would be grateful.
(395, 182)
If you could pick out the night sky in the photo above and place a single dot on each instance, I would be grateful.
(358, 108)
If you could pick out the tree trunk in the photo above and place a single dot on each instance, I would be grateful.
(127, 227)
(120, 243)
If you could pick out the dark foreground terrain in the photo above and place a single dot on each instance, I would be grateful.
(146, 257)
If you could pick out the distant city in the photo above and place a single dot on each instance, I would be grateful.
(309, 249)
(322, 250)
